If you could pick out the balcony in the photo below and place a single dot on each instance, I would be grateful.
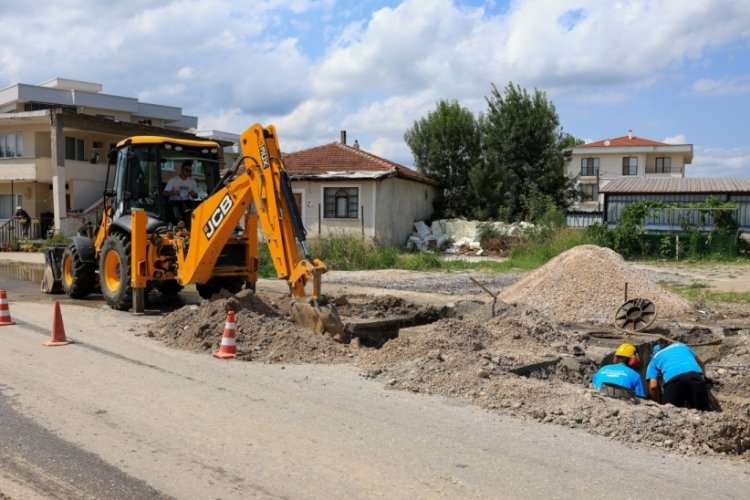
(668, 171)
(18, 169)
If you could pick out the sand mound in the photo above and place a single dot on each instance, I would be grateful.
(586, 284)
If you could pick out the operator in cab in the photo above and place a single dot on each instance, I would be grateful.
(180, 191)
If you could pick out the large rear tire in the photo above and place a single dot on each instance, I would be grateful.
(78, 277)
(114, 272)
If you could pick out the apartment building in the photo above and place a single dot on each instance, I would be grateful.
(54, 140)
(597, 163)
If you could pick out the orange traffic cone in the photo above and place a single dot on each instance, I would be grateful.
(58, 330)
(4, 311)
(228, 347)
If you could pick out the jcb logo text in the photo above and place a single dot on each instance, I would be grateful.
(218, 216)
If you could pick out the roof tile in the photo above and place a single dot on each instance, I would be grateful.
(626, 140)
(336, 158)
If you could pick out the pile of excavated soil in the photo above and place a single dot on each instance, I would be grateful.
(264, 331)
(587, 284)
(526, 361)
(539, 372)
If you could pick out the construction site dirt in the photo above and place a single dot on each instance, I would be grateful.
(520, 345)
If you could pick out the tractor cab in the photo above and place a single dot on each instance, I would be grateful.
(143, 167)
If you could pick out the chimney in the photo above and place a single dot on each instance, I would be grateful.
(630, 134)
(356, 144)
(343, 137)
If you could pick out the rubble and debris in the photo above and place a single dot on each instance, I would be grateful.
(533, 360)
(460, 236)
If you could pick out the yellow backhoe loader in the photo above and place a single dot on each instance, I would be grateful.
(145, 240)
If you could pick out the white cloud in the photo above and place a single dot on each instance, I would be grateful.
(733, 86)
(714, 162)
(676, 139)
(315, 67)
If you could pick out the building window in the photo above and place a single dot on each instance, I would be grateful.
(589, 192)
(589, 166)
(74, 149)
(11, 145)
(341, 202)
(8, 204)
(630, 165)
(663, 165)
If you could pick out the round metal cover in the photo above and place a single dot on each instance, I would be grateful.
(635, 315)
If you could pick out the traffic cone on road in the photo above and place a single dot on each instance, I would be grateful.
(58, 330)
(4, 311)
(228, 347)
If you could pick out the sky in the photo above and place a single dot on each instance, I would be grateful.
(669, 70)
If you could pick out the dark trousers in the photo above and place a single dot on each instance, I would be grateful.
(179, 210)
(687, 390)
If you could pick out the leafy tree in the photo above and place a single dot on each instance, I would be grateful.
(524, 152)
(446, 146)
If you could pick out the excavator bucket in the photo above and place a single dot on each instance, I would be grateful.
(52, 279)
(320, 318)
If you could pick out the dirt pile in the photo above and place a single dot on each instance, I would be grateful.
(265, 331)
(527, 361)
(524, 368)
(586, 284)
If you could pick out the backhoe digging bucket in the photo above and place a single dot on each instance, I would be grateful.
(320, 318)
(52, 279)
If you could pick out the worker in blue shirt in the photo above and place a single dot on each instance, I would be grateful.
(619, 379)
(681, 374)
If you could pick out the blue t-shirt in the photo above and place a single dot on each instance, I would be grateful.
(672, 361)
(620, 375)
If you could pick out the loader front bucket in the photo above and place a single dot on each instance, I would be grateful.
(52, 279)
(320, 318)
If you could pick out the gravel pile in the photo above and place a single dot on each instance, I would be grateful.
(586, 284)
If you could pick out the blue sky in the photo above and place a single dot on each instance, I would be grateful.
(671, 70)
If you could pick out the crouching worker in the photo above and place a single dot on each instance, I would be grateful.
(620, 380)
(681, 373)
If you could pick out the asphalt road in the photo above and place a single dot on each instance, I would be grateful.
(118, 415)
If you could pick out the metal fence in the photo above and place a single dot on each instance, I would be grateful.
(12, 232)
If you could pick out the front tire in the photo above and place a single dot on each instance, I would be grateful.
(78, 277)
(114, 272)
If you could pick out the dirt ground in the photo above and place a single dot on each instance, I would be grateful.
(520, 345)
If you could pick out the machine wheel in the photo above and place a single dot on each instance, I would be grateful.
(168, 287)
(209, 288)
(78, 277)
(114, 272)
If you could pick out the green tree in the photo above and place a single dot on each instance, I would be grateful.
(446, 146)
(524, 153)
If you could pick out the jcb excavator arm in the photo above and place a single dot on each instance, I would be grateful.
(259, 176)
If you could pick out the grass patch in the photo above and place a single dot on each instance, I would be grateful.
(538, 251)
(701, 292)
(351, 253)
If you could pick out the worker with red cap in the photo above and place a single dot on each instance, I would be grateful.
(620, 380)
